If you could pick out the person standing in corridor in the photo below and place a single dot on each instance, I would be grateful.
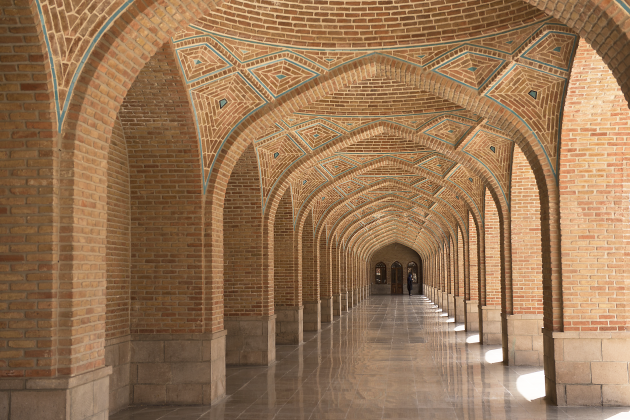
(409, 282)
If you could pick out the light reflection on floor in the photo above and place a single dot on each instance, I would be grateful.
(390, 357)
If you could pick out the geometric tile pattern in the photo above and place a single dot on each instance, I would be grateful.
(470, 69)
(495, 152)
(554, 49)
(449, 131)
(303, 185)
(274, 157)
(509, 42)
(281, 76)
(201, 60)
(470, 184)
(371, 96)
(247, 51)
(317, 135)
(219, 107)
(324, 201)
(350, 187)
(438, 165)
(535, 97)
(337, 166)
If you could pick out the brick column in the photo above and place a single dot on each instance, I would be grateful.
(471, 305)
(310, 284)
(325, 282)
(587, 363)
(490, 293)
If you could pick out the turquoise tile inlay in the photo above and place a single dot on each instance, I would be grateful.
(472, 68)
(533, 94)
(280, 76)
(275, 155)
(222, 103)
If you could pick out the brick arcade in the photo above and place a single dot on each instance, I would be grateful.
(187, 183)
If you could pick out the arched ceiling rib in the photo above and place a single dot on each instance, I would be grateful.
(333, 121)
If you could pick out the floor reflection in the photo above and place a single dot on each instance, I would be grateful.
(391, 357)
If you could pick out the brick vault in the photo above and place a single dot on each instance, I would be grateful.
(186, 183)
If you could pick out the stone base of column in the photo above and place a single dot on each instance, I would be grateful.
(312, 316)
(344, 302)
(178, 369)
(451, 305)
(587, 368)
(355, 297)
(460, 309)
(251, 340)
(472, 315)
(522, 340)
(490, 324)
(444, 299)
(81, 397)
(118, 357)
(337, 305)
(289, 325)
(327, 309)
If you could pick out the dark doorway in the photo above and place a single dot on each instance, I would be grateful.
(397, 278)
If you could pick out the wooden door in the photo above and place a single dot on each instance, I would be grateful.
(397, 279)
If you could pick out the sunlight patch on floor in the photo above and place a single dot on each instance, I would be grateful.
(494, 356)
(532, 385)
(473, 339)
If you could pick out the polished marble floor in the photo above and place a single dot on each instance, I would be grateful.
(391, 357)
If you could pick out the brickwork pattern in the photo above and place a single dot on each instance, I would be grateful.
(493, 253)
(527, 268)
(594, 221)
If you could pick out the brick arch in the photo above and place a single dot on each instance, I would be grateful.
(445, 226)
(366, 244)
(370, 251)
(376, 164)
(437, 237)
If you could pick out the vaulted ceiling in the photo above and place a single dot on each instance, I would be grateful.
(347, 104)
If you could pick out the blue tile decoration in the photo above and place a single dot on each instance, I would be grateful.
(197, 61)
(275, 155)
(557, 49)
(473, 68)
(533, 94)
(222, 103)
(494, 149)
(470, 179)
(280, 76)
(304, 182)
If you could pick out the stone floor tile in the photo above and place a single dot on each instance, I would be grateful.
(391, 357)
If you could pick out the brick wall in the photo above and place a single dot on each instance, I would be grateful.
(286, 286)
(334, 266)
(29, 150)
(166, 201)
(118, 253)
(310, 285)
(526, 238)
(323, 272)
(388, 255)
(245, 293)
(493, 253)
(594, 198)
(474, 258)
(460, 262)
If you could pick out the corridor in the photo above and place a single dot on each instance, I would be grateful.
(391, 357)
